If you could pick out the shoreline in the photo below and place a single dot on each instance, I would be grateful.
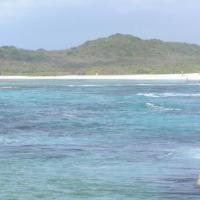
(192, 76)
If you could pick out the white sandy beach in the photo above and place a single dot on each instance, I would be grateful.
(194, 76)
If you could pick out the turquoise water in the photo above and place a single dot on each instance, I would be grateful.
(99, 140)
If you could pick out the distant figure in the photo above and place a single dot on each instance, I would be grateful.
(198, 180)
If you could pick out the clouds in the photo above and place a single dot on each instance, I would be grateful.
(17, 8)
(128, 5)
(14, 8)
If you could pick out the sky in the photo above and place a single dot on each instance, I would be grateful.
(60, 24)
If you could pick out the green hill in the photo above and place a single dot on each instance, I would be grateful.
(117, 54)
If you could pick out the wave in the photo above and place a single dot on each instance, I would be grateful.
(162, 95)
(84, 85)
(165, 155)
(179, 153)
(124, 85)
(180, 95)
(148, 95)
(93, 85)
(161, 108)
(166, 84)
(7, 87)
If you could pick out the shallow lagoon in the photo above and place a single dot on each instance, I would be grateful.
(105, 140)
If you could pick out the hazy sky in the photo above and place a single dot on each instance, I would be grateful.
(56, 24)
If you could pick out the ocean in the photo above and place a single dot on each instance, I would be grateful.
(99, 140)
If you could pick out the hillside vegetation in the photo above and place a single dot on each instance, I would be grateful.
(117, 54)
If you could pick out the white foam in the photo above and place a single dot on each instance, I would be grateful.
(148, 95)
(82, 86)
(162, 95)
(7, 87)
(166, 84)
(161, 108)
(180, 95)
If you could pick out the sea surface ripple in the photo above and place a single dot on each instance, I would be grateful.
(99, 140)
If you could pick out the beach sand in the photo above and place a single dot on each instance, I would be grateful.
(194, 76)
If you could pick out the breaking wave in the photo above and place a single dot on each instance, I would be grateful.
(148, 95)
(161, 108)
(162, 95)
(83, 85)
(7, 87)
